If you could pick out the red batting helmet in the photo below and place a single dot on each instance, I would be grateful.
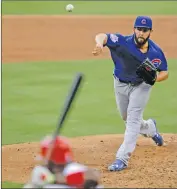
(61, 152)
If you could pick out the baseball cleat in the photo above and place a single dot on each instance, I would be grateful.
(157, 138)
(118, 165)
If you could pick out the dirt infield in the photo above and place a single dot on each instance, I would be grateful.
(55, 38)
(150, 166)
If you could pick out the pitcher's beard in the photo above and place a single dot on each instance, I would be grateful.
(140, 44)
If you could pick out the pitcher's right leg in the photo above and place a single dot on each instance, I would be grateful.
(149, 129)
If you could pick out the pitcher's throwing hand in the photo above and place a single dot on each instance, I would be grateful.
(97, 50)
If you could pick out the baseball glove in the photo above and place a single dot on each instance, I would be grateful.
(147, 71)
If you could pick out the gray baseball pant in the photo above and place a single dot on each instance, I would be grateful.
(131, 102)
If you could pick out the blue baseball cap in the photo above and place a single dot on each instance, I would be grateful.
(143, 21)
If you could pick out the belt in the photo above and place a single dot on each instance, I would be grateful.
(131, 83)
(135, 83)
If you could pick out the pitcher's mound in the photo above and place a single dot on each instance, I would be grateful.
(150, 166)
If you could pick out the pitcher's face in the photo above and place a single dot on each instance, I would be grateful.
(142, 35)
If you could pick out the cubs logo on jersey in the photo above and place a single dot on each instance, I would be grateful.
(156, 62)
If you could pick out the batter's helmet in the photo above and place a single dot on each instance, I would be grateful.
(61, 152)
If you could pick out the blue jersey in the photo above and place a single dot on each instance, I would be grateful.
(126, 56)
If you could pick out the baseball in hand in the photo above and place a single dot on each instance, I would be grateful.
(69, 7)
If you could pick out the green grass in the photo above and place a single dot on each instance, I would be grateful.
(88, 7)
(11, 185)
(34, 93)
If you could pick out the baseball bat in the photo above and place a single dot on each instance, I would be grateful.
(67, 106)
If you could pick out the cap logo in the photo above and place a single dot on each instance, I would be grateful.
(143, 21)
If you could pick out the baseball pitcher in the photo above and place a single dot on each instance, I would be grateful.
(138, 64)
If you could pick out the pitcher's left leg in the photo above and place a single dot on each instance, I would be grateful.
(138, 99)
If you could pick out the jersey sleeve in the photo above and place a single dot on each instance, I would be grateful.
(163, 66)
(114, 40)
(74, 174)
(41, 175)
